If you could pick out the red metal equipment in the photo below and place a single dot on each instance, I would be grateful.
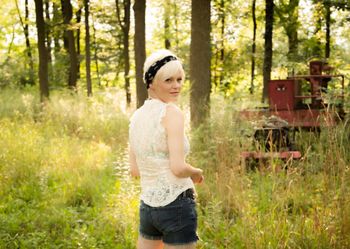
(294, 105)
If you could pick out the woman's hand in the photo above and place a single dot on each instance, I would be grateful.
(198, 177)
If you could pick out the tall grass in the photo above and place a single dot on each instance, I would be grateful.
(306, 205)
(57, 172)
(64, 181)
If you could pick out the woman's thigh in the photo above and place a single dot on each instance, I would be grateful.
(143, 243)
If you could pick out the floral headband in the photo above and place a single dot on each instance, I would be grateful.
(154, 68)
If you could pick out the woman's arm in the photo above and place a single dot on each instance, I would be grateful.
(174, 125)
(134, 170)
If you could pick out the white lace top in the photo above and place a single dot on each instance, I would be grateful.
(148, 140)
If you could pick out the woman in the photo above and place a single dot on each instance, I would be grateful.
(158, 147)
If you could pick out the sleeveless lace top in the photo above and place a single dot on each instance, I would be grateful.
(148, 140)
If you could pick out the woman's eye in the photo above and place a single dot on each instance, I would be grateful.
(168, 80)
(179, 80)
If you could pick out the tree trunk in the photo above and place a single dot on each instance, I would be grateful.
(219, 54)
(317, 50)
(95, 52)
(56, 35)
(268, 47)
(292, 29)
(288, 14)
(140, 49)
(167, 6)
(251, 89)
(78, 15)
(29, 49)
(176, 24)
(328, 30)
(125, 26)
(25, 27)
(87, 49)
(9, 49)
(43, 58)
(48, 37)
(200, 56)
(222, 48)
(67, 10)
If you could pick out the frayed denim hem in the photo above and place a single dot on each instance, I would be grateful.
(150, 237)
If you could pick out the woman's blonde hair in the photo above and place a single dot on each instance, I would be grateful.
(166, 71)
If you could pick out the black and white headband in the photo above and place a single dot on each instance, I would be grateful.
(154, 68)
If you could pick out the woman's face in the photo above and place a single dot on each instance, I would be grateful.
(169, 88)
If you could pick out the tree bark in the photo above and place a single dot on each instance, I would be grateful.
(25, 27)
(28, 46)
(87, 49)
(317, 49)
(251, 89)
(78, 15)
(219, 54)
(200, 56)
(67, 11)
(167, 43)
(140, 49)
(289, 15)
(292, 31)
(125, 26)
(328, 30)
(222, 48)
(48, 37)
(43, 57)
(56, 35)
(95, 52)
(268, 47)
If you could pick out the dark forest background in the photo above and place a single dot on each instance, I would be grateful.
(228, 47)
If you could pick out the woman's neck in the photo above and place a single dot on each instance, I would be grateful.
(152, 95)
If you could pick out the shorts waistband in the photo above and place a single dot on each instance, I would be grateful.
(189, 193)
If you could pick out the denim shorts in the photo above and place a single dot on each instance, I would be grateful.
(175, 223)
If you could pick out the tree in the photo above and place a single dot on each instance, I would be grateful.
(288, 15)
(56, 34)
(140, 49)
(318, 34)
(125, 26)
(200, 56)
(87, 49)
(25, 27)
(78, 18)
(67, 11)
(95, 52)
(48, 36)
(167, 43)
(252, 76)
(219, 53)
(43, 57)
(328, 29)
(267, 47)
(176, 25)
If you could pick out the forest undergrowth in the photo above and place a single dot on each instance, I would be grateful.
(64, 180)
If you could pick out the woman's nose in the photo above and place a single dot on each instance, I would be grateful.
(177, 84)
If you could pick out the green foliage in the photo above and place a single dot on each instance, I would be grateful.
(302, 206)
(58, 180)
(64, 180)
(230, 73)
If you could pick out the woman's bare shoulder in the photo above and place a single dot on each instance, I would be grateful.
(173, 115)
